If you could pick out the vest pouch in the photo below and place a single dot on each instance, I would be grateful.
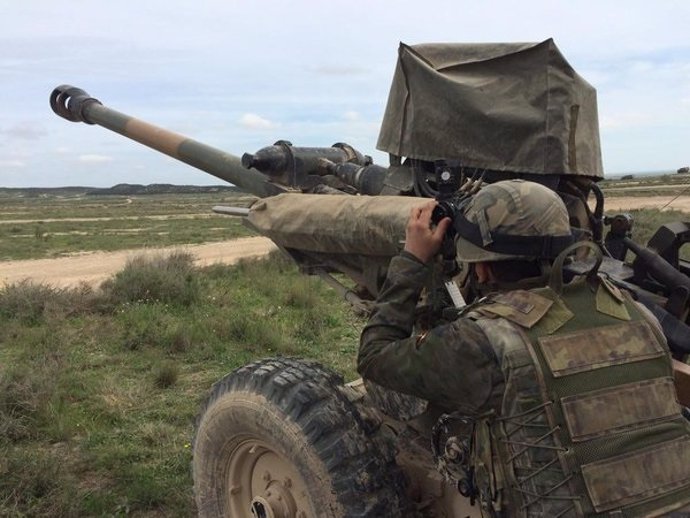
(646, 473)
(489, 478)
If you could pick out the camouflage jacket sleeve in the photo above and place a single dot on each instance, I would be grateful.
(452, 366)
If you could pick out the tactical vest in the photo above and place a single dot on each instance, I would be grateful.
(590, 425)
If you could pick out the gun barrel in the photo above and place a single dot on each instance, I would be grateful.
(231, 211)
(75, 105)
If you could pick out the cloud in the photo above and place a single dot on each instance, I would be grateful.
(351, 116)
(25, 131)
(94, 159)
(622, 119)
(254, 121)
(332, 70)
(181, 68)
(11, 164)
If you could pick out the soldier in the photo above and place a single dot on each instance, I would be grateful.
(568, 387)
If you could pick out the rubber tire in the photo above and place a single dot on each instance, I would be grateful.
(303, 411)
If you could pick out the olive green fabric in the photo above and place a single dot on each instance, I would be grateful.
(635, 477)
(516, 107)
(600, 347)
(606, 411)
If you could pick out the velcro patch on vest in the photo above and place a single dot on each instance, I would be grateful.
(557, 317)
(591, 349)
(617, 409)
(522, 307)
(633, 477)
(609, 304)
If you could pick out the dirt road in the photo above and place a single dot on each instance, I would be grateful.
(623, 203)
(97, 266)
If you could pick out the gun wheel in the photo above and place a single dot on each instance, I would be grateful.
(281, 438)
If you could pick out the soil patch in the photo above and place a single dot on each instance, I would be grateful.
(95, 267)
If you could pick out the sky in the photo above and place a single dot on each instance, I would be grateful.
(239, 75)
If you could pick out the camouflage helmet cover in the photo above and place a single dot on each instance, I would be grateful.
(512, 219)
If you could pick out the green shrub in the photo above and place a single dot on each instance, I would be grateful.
(647, 221)
(28, 301)
(312, 325)
(165, 374)
(272, 263)
(28, 398)
(35, 483)
(178, 340)
(252, 332)
(146, 325)
(302, 294)
(171, 279)
(263, 272)
(31, 302)
(40, 234)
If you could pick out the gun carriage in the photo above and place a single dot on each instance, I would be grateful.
(287, 438)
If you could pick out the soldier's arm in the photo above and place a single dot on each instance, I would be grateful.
(452, 366)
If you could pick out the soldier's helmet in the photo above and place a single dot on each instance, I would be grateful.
(512, 219)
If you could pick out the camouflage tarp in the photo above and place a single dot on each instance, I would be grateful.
(367, 225)
(503, 106)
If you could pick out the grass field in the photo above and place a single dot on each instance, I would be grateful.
(98, 390)
(669, 184)
(57, 225)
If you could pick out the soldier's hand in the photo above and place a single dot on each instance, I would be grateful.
(421, 240)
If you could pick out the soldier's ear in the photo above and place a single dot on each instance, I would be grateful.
(483, 272)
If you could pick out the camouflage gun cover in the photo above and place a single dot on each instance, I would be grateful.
(517, 107)
(335, 224)
(354, 235)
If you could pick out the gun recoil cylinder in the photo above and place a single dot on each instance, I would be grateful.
(367, 179)
(290, 165)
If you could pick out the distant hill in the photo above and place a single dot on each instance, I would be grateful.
(122, 189)
(35, 192)
(161, 188)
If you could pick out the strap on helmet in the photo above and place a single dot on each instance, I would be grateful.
(532, 246)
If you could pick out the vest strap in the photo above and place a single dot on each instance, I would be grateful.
(556, 277)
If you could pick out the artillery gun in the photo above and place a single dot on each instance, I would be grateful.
(287, 438)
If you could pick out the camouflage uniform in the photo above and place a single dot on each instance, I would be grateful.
(453, 365)
(466, 375)
(571, 387)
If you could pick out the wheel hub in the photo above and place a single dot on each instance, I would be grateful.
(275, 502)
(265, 483)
